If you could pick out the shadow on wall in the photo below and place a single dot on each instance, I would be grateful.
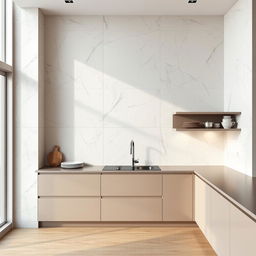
(113, 79)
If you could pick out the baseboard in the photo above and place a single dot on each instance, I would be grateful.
(47, 224)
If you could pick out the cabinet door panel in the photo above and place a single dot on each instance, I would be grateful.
(68, 209)
(177, 197)
(69, 185)
(131, 209)
(131, 185)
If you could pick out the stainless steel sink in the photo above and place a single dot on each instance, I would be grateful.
(129, 168)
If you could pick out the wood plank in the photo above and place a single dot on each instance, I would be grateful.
(103, 241)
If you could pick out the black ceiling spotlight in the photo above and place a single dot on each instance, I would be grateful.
(69, 1)
(192, 1)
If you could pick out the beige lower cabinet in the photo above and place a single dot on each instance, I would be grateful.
(178, 197)
(242, 233)
(131, 209)
(68, 209)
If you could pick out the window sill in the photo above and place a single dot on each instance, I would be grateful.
(5, 229)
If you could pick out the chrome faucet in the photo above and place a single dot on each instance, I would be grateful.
(132, 152)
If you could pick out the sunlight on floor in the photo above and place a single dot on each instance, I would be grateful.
(106, 241)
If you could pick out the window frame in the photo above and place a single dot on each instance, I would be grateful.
(4, 155)
(6, 70)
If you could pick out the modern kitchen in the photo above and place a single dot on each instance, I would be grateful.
(128, 127)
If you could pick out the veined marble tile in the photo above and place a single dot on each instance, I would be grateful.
(77, 144)
(238, 84)
(74, 108)
(192, 65)
(74, 71)
(132, 52)
(188, 23)
(184, 148)
(117, 145)
(147, 68)
(131, 107)
(74, 57)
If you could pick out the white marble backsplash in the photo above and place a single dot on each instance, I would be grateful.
(116, 78)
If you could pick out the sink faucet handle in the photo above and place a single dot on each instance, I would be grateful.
(131, 147)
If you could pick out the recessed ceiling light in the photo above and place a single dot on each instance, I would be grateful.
(192, 1)
(69, 1)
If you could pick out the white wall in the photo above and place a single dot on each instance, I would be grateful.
(27, 108)
(113, 79)
(238, 83)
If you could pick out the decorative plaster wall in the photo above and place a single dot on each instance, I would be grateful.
(116, 78)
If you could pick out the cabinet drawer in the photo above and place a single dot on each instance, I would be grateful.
(131, 209)
(68, 209)
(131, 185)
(177, 197)
(69, 185)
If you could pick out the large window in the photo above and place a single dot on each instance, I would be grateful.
(5, 100)
(2, 150)
(2, 119)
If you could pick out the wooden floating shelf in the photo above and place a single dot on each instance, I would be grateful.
(208, 129)
(180, 117)
(210, 113)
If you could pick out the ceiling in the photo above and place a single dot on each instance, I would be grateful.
(130, 7)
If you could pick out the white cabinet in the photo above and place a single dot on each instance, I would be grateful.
(202, 205)
(218, 231)
(212, 216)
(178, 197)
(242, 233)
(229, 231)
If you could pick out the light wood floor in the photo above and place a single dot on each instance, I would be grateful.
(111, 241)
